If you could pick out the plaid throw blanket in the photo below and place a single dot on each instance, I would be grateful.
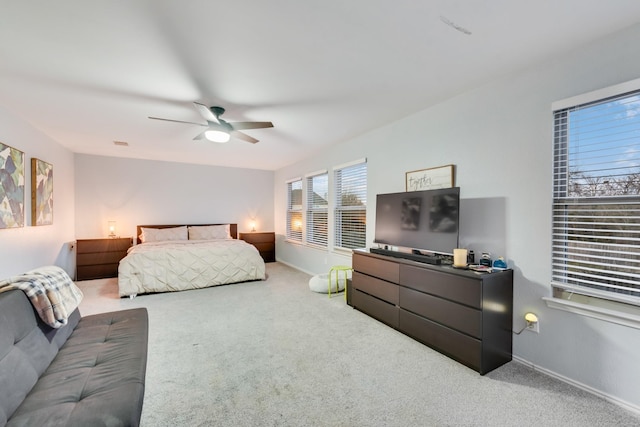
(50, 290)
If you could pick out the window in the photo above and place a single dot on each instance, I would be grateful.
(317, 208)
(596, 196)
(350, 213)
(294, 210)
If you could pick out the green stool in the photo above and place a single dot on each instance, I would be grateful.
(338, 269)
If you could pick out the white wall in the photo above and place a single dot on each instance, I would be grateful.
(500, 139)
(137, 192)
(28, 247)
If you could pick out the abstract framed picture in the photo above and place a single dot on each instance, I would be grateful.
(11, 187)
(41, 192)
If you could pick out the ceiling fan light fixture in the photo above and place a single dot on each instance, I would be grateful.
(217, 136)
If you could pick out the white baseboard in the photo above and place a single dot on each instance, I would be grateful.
(623, 404)
(295, 267)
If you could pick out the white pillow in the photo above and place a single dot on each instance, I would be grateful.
(209, 232)
(162, 234)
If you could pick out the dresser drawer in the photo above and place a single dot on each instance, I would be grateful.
(460, 317)
(386, 270)
(378, 309)
(458, 346)
(455, 288)
(376, 287)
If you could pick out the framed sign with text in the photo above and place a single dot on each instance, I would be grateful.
(429, 179)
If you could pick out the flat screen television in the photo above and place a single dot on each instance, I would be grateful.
(426, 220)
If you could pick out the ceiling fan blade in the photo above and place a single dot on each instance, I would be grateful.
(250, 125)
(206, 113)
(244, 137)
(200, 136)
(176, 121)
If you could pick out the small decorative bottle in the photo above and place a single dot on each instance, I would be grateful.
(500, 264)
(485, 259)
(471, 258)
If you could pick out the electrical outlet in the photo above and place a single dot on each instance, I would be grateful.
(534, 326)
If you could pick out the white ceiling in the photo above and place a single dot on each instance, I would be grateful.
(88, 73)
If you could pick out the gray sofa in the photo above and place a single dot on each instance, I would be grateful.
(90, 372)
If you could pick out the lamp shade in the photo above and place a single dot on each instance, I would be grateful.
(112, 229)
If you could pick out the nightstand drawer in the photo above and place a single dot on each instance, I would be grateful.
(99, 258)
(103, 245)
(102, 271)
(265, 242)
(262, 247)
(263, 237)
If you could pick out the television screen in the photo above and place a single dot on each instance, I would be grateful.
(425, 220)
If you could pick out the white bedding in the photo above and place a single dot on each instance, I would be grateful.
(188, 264)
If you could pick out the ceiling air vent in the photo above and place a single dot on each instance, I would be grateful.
(121, 143)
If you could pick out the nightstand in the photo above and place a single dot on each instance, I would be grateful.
(265, 242)
(99, 258)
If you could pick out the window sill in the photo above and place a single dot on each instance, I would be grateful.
(342, 251)
(293, 242)
(608, 315)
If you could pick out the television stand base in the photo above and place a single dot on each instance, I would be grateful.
(426, 259)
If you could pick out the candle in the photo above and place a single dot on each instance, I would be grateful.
(459, 257)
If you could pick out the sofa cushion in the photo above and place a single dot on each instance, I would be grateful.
(97, 377)
(27, 347)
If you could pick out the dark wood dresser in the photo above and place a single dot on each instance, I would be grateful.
(264, 241)
(99, 258)
(464, 315)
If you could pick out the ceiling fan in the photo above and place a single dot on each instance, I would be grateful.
(219, 130)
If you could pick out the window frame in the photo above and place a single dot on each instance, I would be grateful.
(603, 300)
(314, 213)
(339, 210)
(293, 211)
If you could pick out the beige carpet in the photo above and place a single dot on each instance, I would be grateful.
(273, 353)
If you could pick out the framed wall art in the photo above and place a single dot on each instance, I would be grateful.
(429, 179)
(41, 192)
(11, 187)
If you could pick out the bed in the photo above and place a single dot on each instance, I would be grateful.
(170, 258)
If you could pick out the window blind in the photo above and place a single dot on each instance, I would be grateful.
(596, 198)
(317, 209)
(350, 213)
(294, 210)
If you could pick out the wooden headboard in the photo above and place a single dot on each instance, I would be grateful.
(233, 229)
